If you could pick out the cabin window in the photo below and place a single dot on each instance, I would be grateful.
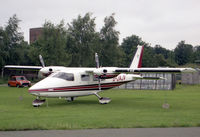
(95, 78)
(65, 76)
(85, 77)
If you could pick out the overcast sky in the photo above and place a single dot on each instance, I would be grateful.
(164, 22)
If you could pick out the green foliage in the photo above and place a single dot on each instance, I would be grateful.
(149, 59)
(110, 52)
(13, 47)
(129, 46)
(82, 41)
(3, 49)
(152, 57)
(52, 44)
(196, 54)
(128, 109)
(160, 50)
(75, 44)
(183, 53)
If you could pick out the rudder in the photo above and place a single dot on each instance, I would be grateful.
(137, 60)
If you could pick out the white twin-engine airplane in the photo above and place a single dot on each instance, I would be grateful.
(69, 83)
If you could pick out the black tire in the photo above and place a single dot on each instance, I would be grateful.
(8, 84)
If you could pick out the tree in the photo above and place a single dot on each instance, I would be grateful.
(3, 49)
(82, 40)
(110, 53)
(149, 58)
(167, 58)
(51, 45)
(160, 50)
(197, 54)
(129, 46)
(12, 42)
(183, 53)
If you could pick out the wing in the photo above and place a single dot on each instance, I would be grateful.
(110, 72)
(155, 70)
(15, 67)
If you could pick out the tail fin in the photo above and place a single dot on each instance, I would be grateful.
(137, 60)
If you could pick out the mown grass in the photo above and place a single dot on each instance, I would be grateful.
(128, 109)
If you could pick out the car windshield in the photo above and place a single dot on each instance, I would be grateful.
(65, 76)
(20, 78)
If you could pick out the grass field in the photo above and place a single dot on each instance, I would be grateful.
(128, 108)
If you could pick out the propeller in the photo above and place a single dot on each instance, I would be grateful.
(41, 61)
(99, 71)
(97, 60)
(97, 64)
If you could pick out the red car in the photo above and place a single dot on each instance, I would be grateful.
(19, 81)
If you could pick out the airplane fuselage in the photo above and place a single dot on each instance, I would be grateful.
(76, 82)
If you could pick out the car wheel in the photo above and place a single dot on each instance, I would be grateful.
(9, 85)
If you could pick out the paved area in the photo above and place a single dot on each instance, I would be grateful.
(129, 132)
(3, 85)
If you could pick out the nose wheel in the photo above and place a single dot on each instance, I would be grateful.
(103, 100)
(38, 102)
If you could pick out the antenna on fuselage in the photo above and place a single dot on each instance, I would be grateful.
(41, 61)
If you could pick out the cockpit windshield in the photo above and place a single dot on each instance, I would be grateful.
(65, 76)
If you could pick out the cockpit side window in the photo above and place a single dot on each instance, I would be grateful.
(65, 76)
(85, 77)
(95, 78)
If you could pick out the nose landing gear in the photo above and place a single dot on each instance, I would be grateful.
(37, 102)
(103, 100)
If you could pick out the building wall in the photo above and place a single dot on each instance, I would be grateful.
(168, 83)
(35, 33)
(29, 74)
(191, 78)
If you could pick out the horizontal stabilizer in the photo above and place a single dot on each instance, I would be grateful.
(154, 78)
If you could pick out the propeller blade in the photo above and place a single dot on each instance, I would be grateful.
(99, 80)
(41, 61)
(97, 63)
(97, 60)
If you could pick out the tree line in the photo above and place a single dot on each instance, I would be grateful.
(74, 44)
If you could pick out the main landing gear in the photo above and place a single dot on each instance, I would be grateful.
(103, 100)
(70, 99)
(37, 102)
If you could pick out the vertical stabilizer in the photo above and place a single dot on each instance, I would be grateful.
(137, 60)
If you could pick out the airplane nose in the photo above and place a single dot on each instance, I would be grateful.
(40, 86)
(47, 84)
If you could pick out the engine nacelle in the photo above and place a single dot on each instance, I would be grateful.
(104, 73)
(100, 71)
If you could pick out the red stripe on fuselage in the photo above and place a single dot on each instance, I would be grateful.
(106, 76)
(79, 88)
